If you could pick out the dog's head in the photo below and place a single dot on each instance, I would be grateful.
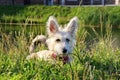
(61, 40)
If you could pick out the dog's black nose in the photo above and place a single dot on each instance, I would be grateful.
(64, 50)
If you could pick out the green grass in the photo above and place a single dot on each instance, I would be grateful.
(94, 57)
(101, 62)
(39, 14)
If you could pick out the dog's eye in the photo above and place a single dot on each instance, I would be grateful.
(67, 40)
(58, 40)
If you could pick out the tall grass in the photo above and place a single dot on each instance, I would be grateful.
(94, 57)
(98, 61)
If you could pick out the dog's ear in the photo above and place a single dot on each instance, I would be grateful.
(52, 25)
(72, 26)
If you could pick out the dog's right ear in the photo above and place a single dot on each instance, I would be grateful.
(52, 26)
(72, 26)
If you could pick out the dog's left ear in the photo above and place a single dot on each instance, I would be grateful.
(52, 26)
(72, 26)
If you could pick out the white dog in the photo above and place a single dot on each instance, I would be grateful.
(60, 41)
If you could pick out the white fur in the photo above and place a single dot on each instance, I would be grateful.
(45, 55)
(60, 40)
(37, 39)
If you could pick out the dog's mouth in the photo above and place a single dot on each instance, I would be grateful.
(64, 57)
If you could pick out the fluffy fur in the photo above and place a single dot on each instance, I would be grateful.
(60, 41)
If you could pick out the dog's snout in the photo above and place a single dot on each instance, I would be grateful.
(64, 50)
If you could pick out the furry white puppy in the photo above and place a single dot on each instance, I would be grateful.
(60, 41)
